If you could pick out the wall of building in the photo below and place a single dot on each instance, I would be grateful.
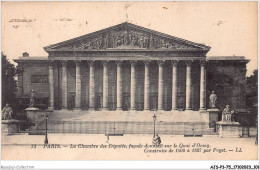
(25, 84)
(228, 80)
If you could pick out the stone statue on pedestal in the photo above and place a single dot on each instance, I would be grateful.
(227, 114)
(212, 99)
(32, 98)
(7, 112)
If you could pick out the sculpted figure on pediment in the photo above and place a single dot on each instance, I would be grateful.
(97, 44)
(125, 38)
(118, 40)
(83, 46)
(146, 41)
(106, 41)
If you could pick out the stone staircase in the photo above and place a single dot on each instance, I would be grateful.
(124, 122)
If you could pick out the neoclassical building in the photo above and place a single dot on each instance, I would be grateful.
(128, 67)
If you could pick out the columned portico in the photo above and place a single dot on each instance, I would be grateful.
(133, 85)
(157, 62)
(160, 85)
(51, 86)
(105, 102)
(188, 85)
(91, 86)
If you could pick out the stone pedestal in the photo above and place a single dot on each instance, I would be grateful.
(31, 114)
(36, 117)
(210, 116)
(228, 129)
(213, 117)
(10, 127)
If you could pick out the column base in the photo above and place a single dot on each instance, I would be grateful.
(105, 108)
(50, 108)
(202, 110)
(147, 109)
(77, 109)
(133, 108)
(64, 108)
(174, 109)
(188, 109)
(119, 109)
(91, 108)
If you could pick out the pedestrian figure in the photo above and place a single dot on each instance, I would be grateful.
(157, 140)
(107, 137)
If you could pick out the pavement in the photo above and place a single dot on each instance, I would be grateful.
(127, 147)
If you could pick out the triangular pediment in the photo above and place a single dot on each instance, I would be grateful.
(126, 36)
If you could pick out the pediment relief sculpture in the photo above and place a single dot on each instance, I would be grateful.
(126, 36)
(126, 40)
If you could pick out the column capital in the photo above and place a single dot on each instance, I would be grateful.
(77, 62)
(174, 62)
(202, 62)
(188, 62)
(160, 62)
(91, 62)
(104, 62)
(119, 62)
(147, 62)
(63, 62)
(51, 62)
(133, 62)
(55, 64)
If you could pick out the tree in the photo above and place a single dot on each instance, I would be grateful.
(252, 84)
(8, 82)
(251, 93)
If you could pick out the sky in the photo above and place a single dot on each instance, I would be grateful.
(229, 28)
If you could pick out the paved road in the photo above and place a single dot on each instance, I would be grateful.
(127, 147)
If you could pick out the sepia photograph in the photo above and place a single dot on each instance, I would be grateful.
(130, 81)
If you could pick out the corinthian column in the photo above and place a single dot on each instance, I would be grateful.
(64, 85)
(160, 85)
(146, 86)
(174, 85)
(133, 85)
(78, 86)
(188, 85)
(105, 85)
(202, 86)
(91, 85)
(119, 85)
(51, 86)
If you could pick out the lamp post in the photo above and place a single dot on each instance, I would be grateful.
(256, 139)
(154, 119)
(46, 133)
